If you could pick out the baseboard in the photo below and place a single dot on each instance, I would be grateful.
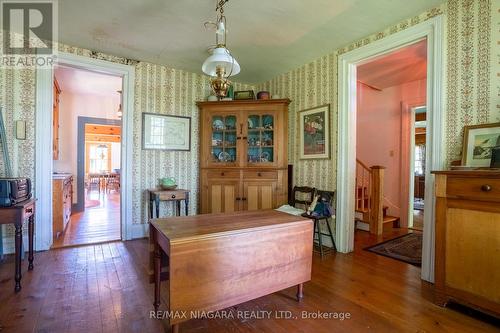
(140, 230)
(362, 226)
(9, 244)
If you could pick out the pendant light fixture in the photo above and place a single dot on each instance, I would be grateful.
(220, 65)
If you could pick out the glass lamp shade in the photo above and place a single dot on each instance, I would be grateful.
(220, 58)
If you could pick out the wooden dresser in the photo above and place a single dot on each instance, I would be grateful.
(467, 264)
(62, 199)
(243, 155)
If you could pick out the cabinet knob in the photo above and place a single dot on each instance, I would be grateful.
(173, 196)
(486, 188)
(222, 174)
(259, 174)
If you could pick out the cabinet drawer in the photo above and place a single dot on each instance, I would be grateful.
(265, 174)
(233, 174)
(172, 195)
(484, 189)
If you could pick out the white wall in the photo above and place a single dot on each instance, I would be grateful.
(72, 106)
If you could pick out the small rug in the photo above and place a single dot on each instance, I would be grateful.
(407, 248)
(418, 204)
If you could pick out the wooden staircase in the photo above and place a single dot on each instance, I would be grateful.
(369, 198)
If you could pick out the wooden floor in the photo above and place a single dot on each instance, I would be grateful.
(100, 222)
(104, 288)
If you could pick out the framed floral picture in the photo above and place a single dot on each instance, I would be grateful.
(314, 131)
(479, 141)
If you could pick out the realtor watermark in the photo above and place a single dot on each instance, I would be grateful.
(29, 33)
(250, 314)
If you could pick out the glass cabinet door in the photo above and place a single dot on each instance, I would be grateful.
(260, 136)
(224, 140)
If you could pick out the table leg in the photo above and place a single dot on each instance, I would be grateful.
(178, 208)
(157, 204)
(31, 230)
(19, 247)
(300, 292)
(186, 203)
(157, 272)
(175, 328)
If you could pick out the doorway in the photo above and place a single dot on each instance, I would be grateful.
(417, 168)
(432, 30)
(87, 157)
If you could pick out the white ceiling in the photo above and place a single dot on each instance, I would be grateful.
(404, 65)
(79, 81)
(267, 38)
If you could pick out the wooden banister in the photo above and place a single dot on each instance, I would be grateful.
(377, 200)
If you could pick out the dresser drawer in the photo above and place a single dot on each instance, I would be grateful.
(483, 189)
(264, 174)
(233, 174)
(172, 195)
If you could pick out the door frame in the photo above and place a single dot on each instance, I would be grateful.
(431, 29)
(44, 137)
(408, 157)
(80, 155)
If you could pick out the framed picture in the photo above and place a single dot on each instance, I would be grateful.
(479, 140)
(314, 131)
(164, 132)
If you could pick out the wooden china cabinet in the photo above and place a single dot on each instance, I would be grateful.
(243, 155)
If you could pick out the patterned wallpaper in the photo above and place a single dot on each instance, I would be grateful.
(473, 89)
(473, 94)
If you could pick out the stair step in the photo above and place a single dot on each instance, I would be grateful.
(389, 219)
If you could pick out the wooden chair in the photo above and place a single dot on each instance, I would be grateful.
(113, 182)
(302, 195)
(93, 180)
(328, 198)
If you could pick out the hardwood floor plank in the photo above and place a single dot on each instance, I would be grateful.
(105, 288)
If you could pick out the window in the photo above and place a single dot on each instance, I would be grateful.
(419, 160)
(98, 158)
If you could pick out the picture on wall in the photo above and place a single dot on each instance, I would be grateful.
(164, 132)
(314, 131)
(479, 140)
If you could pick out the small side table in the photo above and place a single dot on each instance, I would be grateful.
(17, 214)
(178, 195)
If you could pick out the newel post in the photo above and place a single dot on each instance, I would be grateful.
(377, 200)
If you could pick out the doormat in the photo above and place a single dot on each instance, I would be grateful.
(407, 248)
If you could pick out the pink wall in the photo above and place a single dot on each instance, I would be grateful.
(378, 132)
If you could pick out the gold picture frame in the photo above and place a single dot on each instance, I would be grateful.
(478, 141)
(314, 133)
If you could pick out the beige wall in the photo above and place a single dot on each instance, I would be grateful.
(471, 79)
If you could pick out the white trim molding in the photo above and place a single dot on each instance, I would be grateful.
(44, 137)
(432, 30)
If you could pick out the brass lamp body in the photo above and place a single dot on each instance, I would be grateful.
(220, 84)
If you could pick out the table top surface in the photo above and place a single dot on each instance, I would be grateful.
(159, 190)
(187, 228)
(21, 204)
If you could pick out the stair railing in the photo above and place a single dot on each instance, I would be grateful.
(369, 195)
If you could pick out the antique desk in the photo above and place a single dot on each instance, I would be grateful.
(17, 214)
(156, 195)
(216, 261)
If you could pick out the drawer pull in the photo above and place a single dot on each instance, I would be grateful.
(173, 196)
(238, 198)
(222, 174)
(259, 174)
(486, 188)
